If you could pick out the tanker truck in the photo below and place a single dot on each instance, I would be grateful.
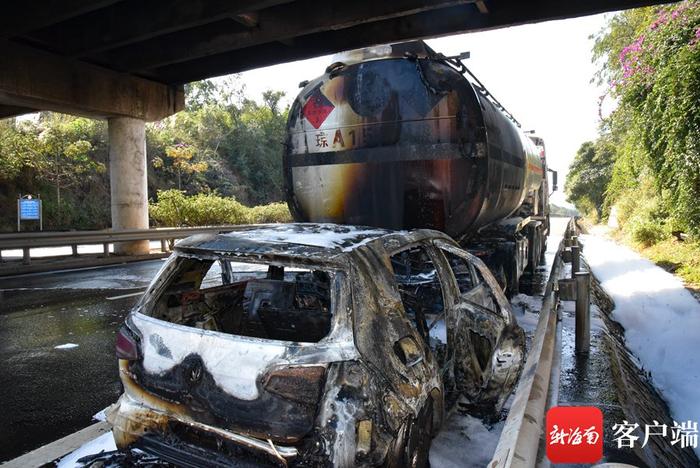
(399, 136)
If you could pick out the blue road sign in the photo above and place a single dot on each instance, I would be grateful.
(30, 210)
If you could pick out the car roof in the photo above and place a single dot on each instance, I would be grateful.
(313, 241)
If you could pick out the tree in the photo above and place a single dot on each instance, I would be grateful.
(181, 161)
(63, 147)
(651, 58)
(18, 144)
(221, 143)
(239, 139)
(589, 176)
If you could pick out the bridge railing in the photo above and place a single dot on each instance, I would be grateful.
(31, 240)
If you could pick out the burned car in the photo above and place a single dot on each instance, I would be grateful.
(311, 345)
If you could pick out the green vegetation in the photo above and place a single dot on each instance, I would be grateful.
(589, 175)
(561, 211)
(174, 208)
(270, 213)
(61, 158)
(223, 147)
(646, 161)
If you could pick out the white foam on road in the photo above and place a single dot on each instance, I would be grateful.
(103, 443)
(66, 346)
(464, 442)
(101, 415)
(526, 310)
(661, 320)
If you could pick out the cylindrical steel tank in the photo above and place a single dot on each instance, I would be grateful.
(393, 136)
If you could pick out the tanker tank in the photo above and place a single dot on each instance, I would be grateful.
(395, 136)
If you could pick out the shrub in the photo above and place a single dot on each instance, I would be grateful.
(211, 209)
(641, 214)
(646, 232)
(652, 62)
(639, 201)
(174, 208)
(270, 213)
(170, 208)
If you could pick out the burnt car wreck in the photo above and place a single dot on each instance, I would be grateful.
(311, 345)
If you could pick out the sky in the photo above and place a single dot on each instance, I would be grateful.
(540, 72)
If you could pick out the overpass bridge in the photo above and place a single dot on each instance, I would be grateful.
(127, 60)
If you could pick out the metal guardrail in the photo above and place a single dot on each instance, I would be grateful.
(525, 425)
(31, 240)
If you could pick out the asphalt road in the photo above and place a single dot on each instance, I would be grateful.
(47, 393)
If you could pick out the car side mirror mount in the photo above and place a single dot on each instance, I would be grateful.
(554, 180)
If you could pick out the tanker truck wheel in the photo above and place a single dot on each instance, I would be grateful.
(512, 280)
(500, 275)
(543, 257)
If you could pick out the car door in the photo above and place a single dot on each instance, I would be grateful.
(482, 316)
(428, 299)
(384, 335)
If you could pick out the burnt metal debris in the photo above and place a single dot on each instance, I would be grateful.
(312, 345)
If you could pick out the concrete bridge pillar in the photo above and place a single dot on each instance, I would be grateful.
(128, 180)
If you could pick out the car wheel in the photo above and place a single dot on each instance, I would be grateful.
(420, 435)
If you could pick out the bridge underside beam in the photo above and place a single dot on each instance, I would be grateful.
(12, 111)
(15, 19)
(33, 79)
(178, 41)
(297, 40)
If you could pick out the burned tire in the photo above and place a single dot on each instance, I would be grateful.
(420, 435)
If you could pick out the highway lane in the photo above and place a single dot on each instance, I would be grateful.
(46, 392)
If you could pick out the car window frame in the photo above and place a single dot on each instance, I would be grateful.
(342, 318)
(476, 281)
(436, 258)
(489, 283)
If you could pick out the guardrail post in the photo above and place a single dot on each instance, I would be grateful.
(74, 249)
(163, 245)
(566, 255)
(583, 312)
(26, 258)
(105, 249)
(575, 260)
